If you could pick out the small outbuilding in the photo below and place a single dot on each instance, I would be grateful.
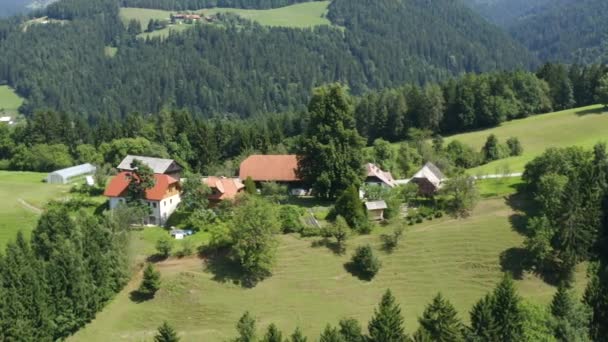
(429, 179)
(64, 176)
(375, 210)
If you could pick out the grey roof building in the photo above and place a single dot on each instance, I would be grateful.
(158, 165)
(63, 176)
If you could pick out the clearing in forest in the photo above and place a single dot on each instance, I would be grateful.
(310, 287)
(303, 15)
(9, 101)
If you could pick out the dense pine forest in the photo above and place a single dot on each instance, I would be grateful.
(240, 68)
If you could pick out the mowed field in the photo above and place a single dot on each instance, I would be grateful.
(310, 287)
(581, 127)
(301, 15)
(21, 194)
(9, 101)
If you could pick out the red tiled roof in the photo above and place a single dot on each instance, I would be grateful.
(119, 184)
(270, 168)
(225, 188)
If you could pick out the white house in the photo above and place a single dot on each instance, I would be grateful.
(162, 199)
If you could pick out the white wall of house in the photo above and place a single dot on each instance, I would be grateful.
(159, 210)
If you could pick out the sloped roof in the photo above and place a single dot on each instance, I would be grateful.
(157, 165)
(386, 177)
(432, 173)
(75, 170)
(270, 168)
(118, 186)
(375, 205)
(227, 188)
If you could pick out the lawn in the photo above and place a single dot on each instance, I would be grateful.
(301, 15)
(307, 14)
(9, 101)
(581, 127)
(20, 194)
(310, 287)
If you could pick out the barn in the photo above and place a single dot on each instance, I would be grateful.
(64, 176)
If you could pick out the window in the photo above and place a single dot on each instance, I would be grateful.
(171, 200)
(154, 205)
(164, 203)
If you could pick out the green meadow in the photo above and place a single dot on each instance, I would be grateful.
(9, 101)
(575, 127)
(310, 287)
(301, 15)
(21, 195)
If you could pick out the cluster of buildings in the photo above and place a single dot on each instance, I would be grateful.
(164, 197)
(181, 17)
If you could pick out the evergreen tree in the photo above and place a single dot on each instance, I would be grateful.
(273, 334)
(572, 319)
(164, 245)
(364, 263)
(351, 208)
(246, 328)
(330, 153)
(441, 322)
(250, 186)
(166, 333)
(602, 91)
(491, 149)
(297, 336)
(150, 283)
(421, 335)
(387, 323)
(331, 335)
(483, 324)
(507, 311)
(350, 329)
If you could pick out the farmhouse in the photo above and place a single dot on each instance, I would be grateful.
(376, 176)
(161, 166)
(223, 188)
(271, 168)
(375, 210)
(162, 199)
(184, 16)
(63, 176)
(429, 179)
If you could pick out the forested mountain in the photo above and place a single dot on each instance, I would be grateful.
(241, 68)
(505, 13)
(567, 31)
(570, 31)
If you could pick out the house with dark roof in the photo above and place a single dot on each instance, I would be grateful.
(271, 168)
(223, 188)
(158, 165)
(162, 198)
(429, 179)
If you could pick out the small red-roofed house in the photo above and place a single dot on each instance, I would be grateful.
(223, 188)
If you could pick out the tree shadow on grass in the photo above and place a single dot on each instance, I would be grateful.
(226, 270)
(590, 111)
(154, 258)
(331, 245)
(354, 270)
(138, 297)
(524, 207)
(515, 261)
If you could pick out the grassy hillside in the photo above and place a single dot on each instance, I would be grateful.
(299, 15)
(9, 100)
(20, 194)
(582, 127)
(310, 287)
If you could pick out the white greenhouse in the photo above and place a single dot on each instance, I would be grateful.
(63, 176)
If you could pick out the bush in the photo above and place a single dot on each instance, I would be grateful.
(150, 283)
(164, 245)
(515, 148)
(187, 249)
(364, 263)
(290, 215)
(308, 231)
(391, 241)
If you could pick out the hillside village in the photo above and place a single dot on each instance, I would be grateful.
(163, 197)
